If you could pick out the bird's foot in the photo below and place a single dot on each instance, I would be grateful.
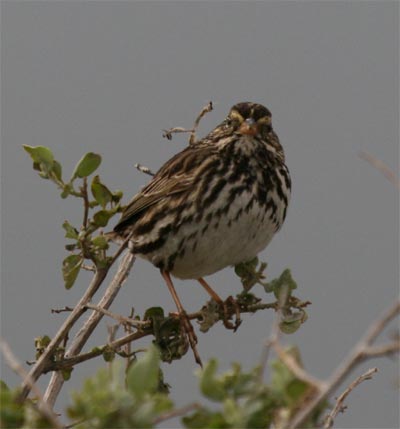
(188, 330)
(229, 303)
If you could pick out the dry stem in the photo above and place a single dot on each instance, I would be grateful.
(340, 400)
(356, 355)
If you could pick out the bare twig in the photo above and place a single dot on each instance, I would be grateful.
(206, 109)
(341, 398)
(69, 362)
(192, 138)
(356, 355)
(143, 169)
(13, 363)
(86, 330)
(88, 267)
(296, 369)
(121, 319)
(383, 350)
(381, 166)
(61, 310)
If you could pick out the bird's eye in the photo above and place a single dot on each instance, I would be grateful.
(230, 122)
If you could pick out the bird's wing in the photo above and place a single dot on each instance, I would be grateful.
(176, 176)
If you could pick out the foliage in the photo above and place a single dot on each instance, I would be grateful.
(84, 245)
(114, 399)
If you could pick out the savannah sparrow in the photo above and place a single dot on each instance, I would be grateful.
(216, 203)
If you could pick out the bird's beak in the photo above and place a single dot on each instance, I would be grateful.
(248, 127)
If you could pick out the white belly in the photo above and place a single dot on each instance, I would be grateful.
(225, 242)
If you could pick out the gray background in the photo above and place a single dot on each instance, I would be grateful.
(108, 77)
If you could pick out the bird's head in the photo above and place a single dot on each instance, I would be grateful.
(249, 119)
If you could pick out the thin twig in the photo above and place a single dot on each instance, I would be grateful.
(61, 310)
(85, 203)
(143, 169)
(295, 368)
(13, 363)
(206, 109)
(383, 350)
(192, 138)
(88, 267)
(69, 362)
(356, 355)
(121, 319)
(381, 166)
(341, 398)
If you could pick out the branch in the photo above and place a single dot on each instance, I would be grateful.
(13, 363)
(80, 339)
(381, 166)
(97, 351)
(339, 401)
(45, 357)
(192, 138)
(143, 169)
(69, 362)
(121, 319)
(356, 355)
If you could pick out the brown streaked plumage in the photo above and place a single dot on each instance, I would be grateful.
(217, 203)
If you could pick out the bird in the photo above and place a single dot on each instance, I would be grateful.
(215, 204)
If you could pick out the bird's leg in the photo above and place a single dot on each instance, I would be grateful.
(187, 326)
(223, 305)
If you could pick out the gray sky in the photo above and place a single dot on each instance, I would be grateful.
(109, 76)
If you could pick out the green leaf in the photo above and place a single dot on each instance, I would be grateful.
(57, 170)
(40, 155)
(117, 195)
(87, 165)
(210, 385)
(285, 281)
(154, 312)
(143, 375)
(101, 218)
(66, 373)
(100, 192)
(70, 269)
(70, 231)
(292, 322)
(100, 242)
